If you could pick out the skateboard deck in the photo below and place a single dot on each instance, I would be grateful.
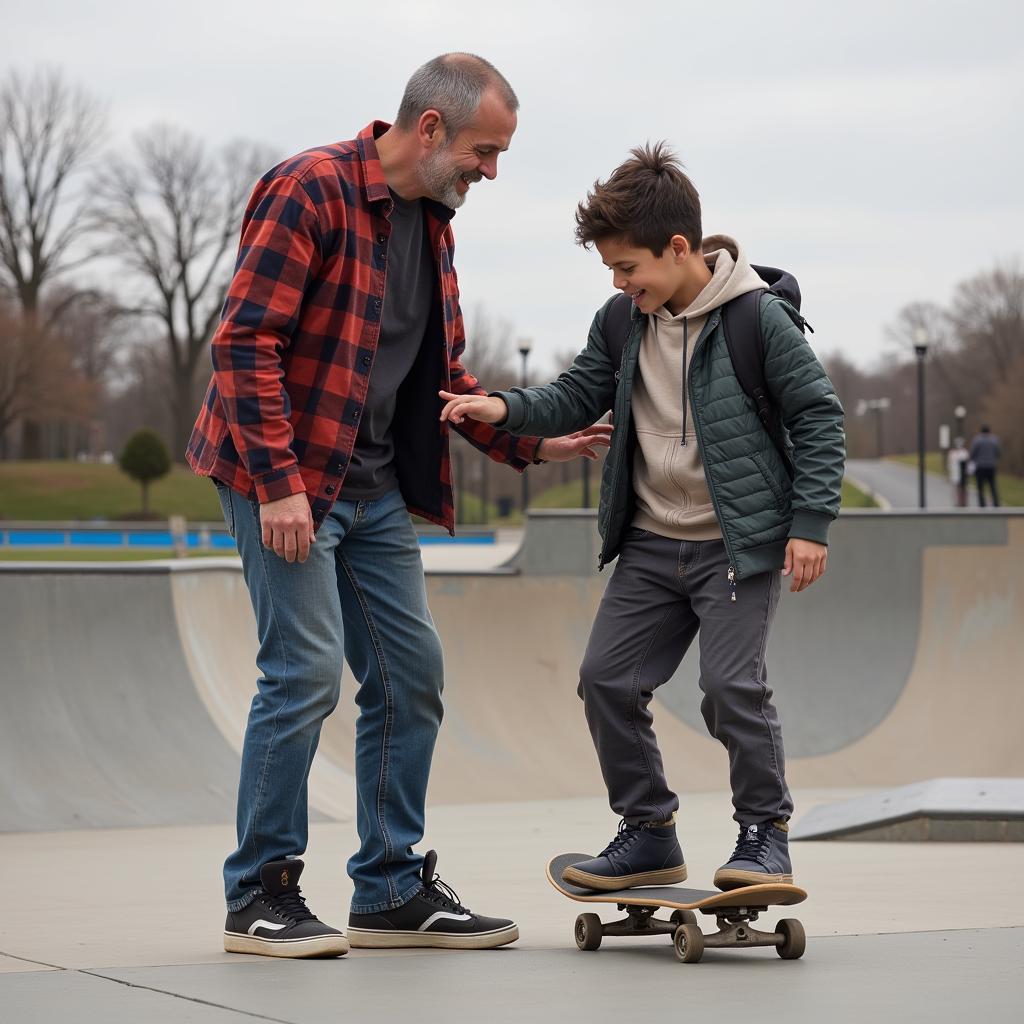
(734, 910)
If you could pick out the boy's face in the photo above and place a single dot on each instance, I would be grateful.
(650, 280)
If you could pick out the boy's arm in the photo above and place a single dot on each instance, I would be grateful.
(498, 444)
(580, 396)
(814, 418)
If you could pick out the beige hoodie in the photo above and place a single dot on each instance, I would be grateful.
(668, 477)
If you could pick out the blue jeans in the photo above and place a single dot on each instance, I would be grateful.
(361, 597)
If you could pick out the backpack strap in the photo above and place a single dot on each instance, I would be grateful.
(741, 322)
(618, 322)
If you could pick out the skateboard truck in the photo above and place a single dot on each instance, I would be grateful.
(689, 941)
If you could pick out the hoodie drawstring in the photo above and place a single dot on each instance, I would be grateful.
(686, 346)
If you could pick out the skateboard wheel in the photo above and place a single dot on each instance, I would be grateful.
(589, 931)
(689, 943)
(683, 917)
(794, 939)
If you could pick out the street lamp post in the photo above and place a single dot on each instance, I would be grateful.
(921, 351)
(961, 417)
(524, 351)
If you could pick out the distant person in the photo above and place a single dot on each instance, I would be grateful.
(697, 503)
(320, 429)
(957, 461)
(985, 452)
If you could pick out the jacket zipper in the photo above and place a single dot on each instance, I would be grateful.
(686, 347)
(731, 573)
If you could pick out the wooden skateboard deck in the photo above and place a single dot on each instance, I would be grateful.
(734, 909)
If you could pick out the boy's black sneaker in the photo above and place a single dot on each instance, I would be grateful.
(278, 922)
(639, 855)
(433, 917)
(761, 857)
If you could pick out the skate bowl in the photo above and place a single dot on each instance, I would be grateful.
(125, 687)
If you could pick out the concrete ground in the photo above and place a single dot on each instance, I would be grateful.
(125, 925)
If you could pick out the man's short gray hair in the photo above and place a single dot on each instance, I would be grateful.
(453, 85)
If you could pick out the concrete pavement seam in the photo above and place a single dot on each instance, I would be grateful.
(29, 960)
(190, 999)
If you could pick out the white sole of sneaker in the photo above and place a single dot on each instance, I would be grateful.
(729, 878)
(368, 938)
(667, 876)
(319, 946)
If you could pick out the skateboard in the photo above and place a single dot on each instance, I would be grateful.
(733, 909)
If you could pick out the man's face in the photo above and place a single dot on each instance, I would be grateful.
(453, 165)
(648, 279)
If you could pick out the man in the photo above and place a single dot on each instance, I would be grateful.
(321, 429)
(984, 456)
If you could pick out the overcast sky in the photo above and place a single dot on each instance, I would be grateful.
(873, 149)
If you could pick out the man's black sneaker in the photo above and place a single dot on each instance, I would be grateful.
(639, 855)
(278, 922)
(433, 917)
(761, 856)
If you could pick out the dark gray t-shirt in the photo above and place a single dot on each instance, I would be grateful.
(408, 292)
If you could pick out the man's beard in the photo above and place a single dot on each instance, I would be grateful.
(440, 175)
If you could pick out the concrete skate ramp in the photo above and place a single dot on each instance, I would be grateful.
(100, 722)
(940, 810)
(125, 689)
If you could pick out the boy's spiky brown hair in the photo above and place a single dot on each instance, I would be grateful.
(645, 201)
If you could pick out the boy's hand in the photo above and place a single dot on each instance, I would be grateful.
(806, 561)
(476, 407)
(583, 442)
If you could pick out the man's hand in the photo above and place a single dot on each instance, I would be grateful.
(288, 527)
(806, 561)
(583, 442)
(476, 407)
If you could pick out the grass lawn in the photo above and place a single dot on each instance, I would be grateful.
(1011, 488)
(82, 491)
(99, 554)
(854, 497)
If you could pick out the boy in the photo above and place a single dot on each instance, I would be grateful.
(697, 502)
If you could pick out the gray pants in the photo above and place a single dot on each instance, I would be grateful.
(661, 593)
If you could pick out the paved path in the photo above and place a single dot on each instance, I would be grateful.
(897, 484)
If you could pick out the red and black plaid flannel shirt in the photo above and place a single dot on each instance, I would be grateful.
(298, 336)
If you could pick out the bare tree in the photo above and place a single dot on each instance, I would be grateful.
(490, 350)
(171, 216)
(988, 319)
(944, 356)
(89, 322)
(48, 131)
(1002, 411)
(37, 375)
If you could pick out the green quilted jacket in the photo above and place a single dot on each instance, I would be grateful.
(758, 506)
